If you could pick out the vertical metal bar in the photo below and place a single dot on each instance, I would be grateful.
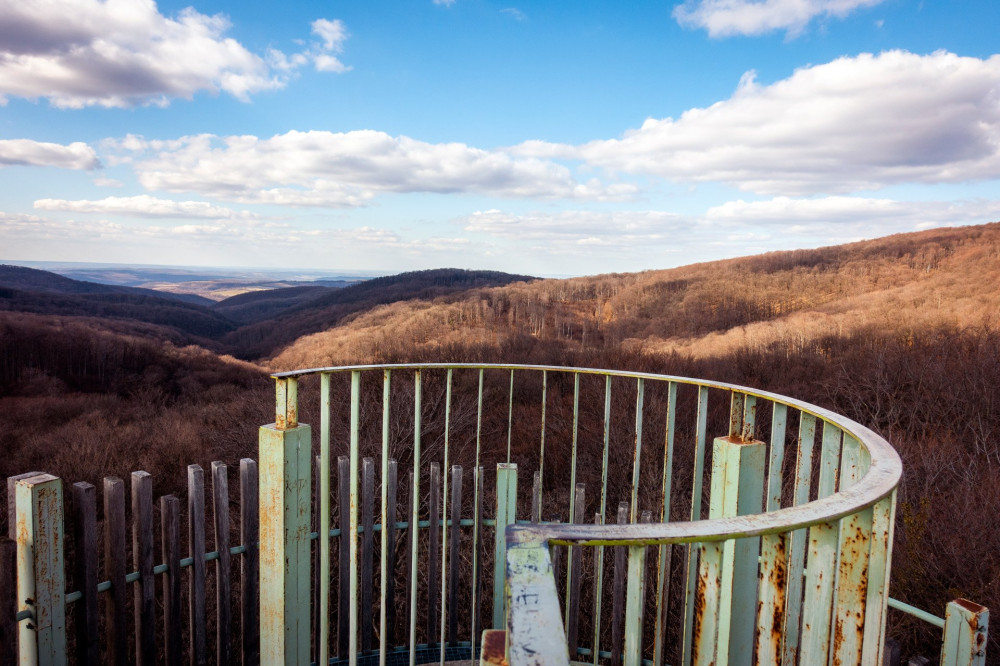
(343, 557)
(797, 547)
(640, 392)
(965, 628)
(323, 639)
(779, 421)
(536, 499)
(877, 594)
(541, 448)
(687, 645)
(664, 553)
(286, 403)
(736, 414)
(706, 620)
(819, 593)
(852, 572)
(773, 586)
(388, 637)
(510, 413)
(634, 599)
(595, 649)
(749, 432)
(415, 514)
(572, 480)
(285, 498)
(355, 445)
(505, 515)
(444, 518)
(144, 592)
(41, 581)
(387, 529)
(829, 463)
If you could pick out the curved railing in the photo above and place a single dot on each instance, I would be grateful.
(787, 559)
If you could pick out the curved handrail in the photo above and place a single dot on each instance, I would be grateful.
(879, 481)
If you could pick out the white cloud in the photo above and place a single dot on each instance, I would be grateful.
(108, 182)
(25, 152)
(514, 13)
(318, 168)
(444, 3)
(723, 18)
(120, 53)
(144, 206)
(855, 123)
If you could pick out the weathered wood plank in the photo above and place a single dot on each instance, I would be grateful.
(411, 535)
(618, 594)
(453, 545)
(196, 550)
(367, 550)
(144, 593)
(88, 649)
(170, 546)
(477, 531)
(344, 556)
(389, 596)
(115, 608)
(434, 550)
(576, 569)
(223, 594)
(536, 498)
(250, 561)
(8, 600)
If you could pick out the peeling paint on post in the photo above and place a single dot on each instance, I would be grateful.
(506, 509)
(965, 628)
(535, 629)
(285, 507)
(41, 581)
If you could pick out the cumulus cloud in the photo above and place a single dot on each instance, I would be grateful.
(25, 152)
(144, 206)
(120, 53)
(319, 168)
(724, 18)
(855, 123)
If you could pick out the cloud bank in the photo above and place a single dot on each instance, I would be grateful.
(25, 152)
(725, 18)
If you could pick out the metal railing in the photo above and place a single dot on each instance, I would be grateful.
(771, 543)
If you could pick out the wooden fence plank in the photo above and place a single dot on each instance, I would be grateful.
(115, 613)
(411, 535)
(433, 548)
(477, 588)
(389, 597)
(536, 498)
(223, 609)
(576, 569)
(453, 544)
(8, 600)
(196, 550)
(618, 594)
(144, 593)
(367, 550)
(344, 552)
(88, 650)
(170, 537)
(250, 562)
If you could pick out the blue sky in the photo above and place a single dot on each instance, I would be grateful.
(552, 138)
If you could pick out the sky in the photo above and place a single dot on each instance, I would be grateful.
(547, 138)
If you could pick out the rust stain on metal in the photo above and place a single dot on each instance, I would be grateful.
(494, 647)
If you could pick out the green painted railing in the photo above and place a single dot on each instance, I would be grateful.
(658, 520)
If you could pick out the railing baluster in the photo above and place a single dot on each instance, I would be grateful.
(687, 644)
(618, 594)
(505, 515)
(665, 552)
(223, 613)
(115, 619)
(323, 492)
(249, 562)
(367, 550)
(387, 581)
(414, 516)
(444, 519)
(576, 570)
(640, 393)
(144, 592)
(355, 501)
(797, 546)
(433, 548)
(344, 557)
(453, 544)
(85, 537)
(170, 536)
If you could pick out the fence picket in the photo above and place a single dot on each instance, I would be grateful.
(453, 545)
(618, 594)
(8, 600)
(116, 622)
(223, 610)
(576, 569)
(367, 550)
(170, 536)
(196, 550)
(144, 607)
(389, 595)
(85, 537)
(344, 553)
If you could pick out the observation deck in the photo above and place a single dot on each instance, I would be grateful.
(548, 515)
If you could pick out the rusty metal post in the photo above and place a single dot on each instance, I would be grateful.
(285, 508)
(965, 628)
(41, 580)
